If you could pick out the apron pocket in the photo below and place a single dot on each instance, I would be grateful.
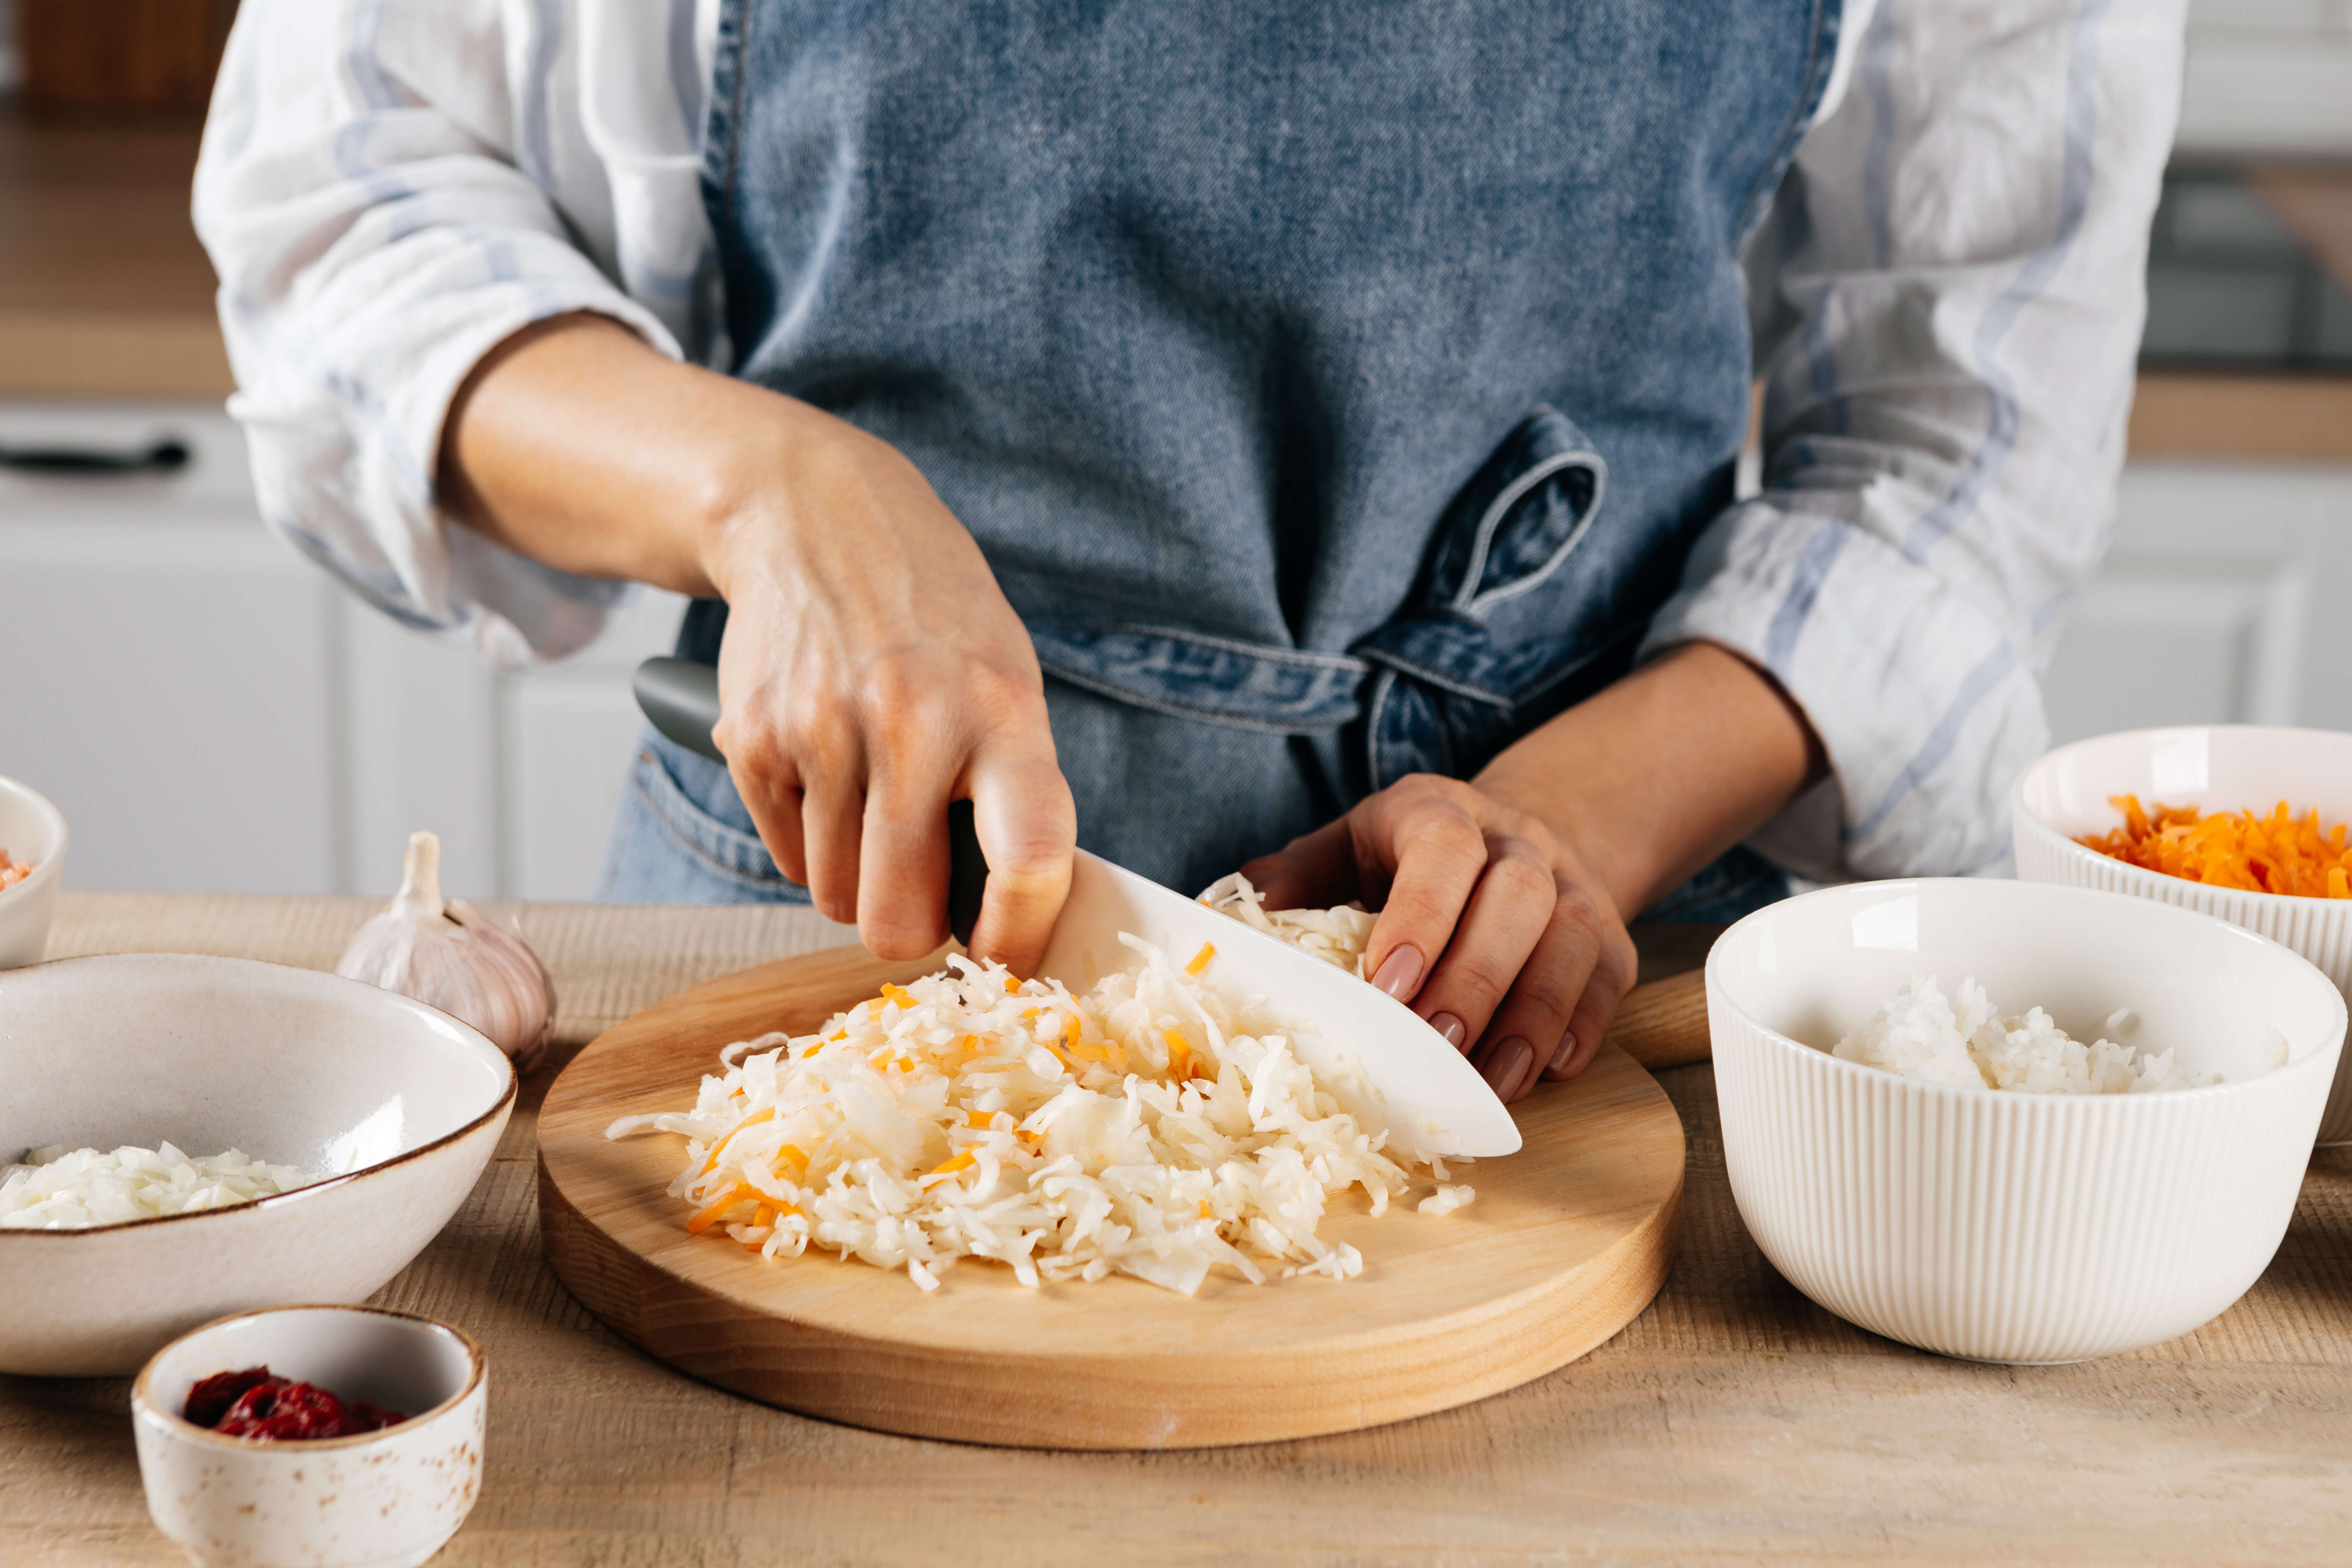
(674, 841)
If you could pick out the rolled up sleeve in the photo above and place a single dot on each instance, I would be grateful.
(1957, 267)
(375, 192)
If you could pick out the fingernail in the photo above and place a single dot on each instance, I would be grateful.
(1566, 1050)
(1449, 1026)
(1397, 971)
(1508, 1065)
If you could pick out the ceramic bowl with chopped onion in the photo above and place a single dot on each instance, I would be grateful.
(185, 1137)
(2216, 767)
(1919, 1152)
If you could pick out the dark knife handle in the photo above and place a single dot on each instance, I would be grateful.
(680, 698)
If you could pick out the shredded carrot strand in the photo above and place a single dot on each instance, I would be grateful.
(1200, 959)
(738, 1193)
(2276, 853)
(711, 1162)
(1180, 1056)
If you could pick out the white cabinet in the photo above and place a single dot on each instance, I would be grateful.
(212, 712)
(2221, 600)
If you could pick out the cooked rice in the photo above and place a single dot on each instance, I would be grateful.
(1154, 1127)
(1918, 1033)
(59, 1189)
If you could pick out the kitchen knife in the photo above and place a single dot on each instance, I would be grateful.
(1375, 1055)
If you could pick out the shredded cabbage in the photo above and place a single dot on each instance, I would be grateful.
(1154, 1127)
(1336, 936)
(58, 1189)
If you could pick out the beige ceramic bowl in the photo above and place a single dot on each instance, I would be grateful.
(382, 1499)
(399, 1104)
(31, 830)
(2008, 1227)
(2218, 767)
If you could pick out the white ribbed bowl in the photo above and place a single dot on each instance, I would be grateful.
(2218, 767)
(2006, 1226)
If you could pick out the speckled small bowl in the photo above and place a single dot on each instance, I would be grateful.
(382, 1499)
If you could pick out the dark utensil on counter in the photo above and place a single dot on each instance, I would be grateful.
(681, 699)
(163, 457)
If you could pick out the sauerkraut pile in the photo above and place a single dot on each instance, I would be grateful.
(1336, 936)
(1154, 1127)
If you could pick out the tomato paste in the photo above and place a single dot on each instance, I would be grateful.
(253, 1404)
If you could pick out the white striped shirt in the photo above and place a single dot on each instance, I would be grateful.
(1948, 296)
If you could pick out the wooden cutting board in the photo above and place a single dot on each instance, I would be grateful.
(1566, 1242)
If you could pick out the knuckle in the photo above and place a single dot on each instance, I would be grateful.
(999, 698)
(1481, 975)
(1447, 832)
(1544, 988)
(1524, 880)
(1575, 910)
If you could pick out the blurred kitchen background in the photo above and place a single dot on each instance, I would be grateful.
(211, 712)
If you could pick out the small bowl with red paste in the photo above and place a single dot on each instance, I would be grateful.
(259, 1403)
(328, 1435)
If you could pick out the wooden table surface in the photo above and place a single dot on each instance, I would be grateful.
(1733, 1421)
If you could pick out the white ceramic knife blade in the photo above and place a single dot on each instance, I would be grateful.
(1377, 1057)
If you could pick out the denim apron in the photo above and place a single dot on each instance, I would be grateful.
(1335, 387)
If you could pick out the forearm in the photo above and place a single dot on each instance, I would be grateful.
(578, 445)
(1654, 777)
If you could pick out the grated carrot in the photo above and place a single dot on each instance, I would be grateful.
(753, 1120)
(1200, 959)
(2277, 853)
(1180, 1056)
(739, 1193)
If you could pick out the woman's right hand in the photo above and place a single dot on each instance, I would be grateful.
(872, 670)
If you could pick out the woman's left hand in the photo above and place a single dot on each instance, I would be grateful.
(1491, 927)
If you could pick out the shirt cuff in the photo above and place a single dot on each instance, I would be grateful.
(346, 471)
(1926, 709)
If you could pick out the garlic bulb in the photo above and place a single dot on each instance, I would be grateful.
(448, 956)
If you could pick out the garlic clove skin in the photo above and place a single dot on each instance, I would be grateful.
(447, 954)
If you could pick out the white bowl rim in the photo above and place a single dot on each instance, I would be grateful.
(1716, 988)
(474, 1365)
(505, 1099)
(2141, 875)
(50, 866)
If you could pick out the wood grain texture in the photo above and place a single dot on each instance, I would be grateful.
(2261, 418)
(1568, 1240)
(1662, 1024)
(1732, 1422)
(104, 290)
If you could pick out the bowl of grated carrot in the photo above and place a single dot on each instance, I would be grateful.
(2249, 823)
